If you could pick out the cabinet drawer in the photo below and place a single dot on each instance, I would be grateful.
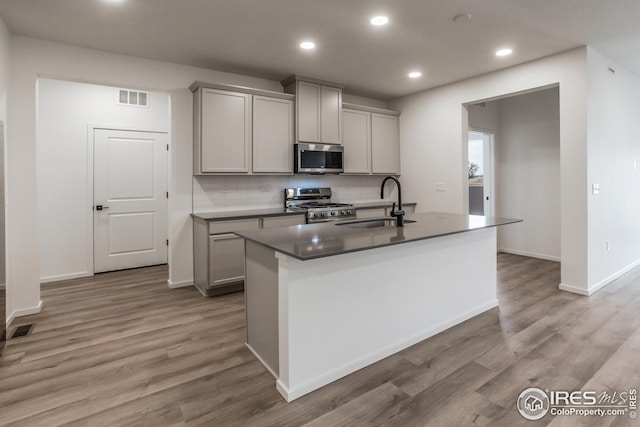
(370, 213)
(219, 227)
(282, 221)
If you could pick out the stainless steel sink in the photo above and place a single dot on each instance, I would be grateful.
(372, 223)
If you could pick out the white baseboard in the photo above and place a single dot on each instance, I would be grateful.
(322, 380)
(65, 277)
(530, 254)
(574, 289)
(604, 282)
(183, 284)
(24, 312)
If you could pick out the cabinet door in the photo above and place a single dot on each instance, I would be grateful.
(356, 140)
(272, 135)
(282, 221)
(385, 145)
(226, 259)
(308, 109)
(226, 131)
(331, 114)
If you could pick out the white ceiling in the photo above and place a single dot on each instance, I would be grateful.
(260, 37)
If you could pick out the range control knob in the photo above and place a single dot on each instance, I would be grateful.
(320, 213)
(343, 212)
(333, 213)
(349, 211)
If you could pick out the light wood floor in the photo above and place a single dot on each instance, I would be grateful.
(121, 349)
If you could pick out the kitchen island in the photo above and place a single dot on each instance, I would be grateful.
(324, 300)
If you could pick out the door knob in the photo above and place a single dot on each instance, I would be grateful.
(100, 207)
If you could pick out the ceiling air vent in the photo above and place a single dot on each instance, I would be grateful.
(133, 97)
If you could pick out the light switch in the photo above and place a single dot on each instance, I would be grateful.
(441, 186)
(595, 189)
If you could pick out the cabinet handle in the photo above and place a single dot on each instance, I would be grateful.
(100, 207)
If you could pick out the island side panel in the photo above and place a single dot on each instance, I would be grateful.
(201, 253)
(339, 314)
(261, 299)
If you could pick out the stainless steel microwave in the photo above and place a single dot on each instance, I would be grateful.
(318, 158)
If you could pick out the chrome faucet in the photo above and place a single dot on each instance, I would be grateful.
(397, 214)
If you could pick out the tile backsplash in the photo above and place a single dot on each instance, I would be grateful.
(218, 193)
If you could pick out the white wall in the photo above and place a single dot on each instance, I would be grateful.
(4, 85)
(434, 127)
(65, 112)
(32, 59)
(4, 69)
(527, 167)
(613, 114)
(484, 117)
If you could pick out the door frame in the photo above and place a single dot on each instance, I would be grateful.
(91, 128)
(492, 168)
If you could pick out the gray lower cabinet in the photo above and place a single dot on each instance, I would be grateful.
(218, 257)
(226, 259)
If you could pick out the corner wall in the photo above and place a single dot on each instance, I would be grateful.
(614, 227)
(4, 69)
(434, 127)
(4, 87)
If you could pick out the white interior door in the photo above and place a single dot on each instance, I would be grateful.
(130, 199)
(481, 183)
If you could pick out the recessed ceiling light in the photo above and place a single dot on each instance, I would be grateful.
(307, 45)
(379, 20)
(415, 74)
(113, 1)
(504, 52)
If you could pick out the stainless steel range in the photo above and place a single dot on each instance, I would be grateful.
(317, 202)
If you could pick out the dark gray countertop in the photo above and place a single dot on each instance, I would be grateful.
(258, 213)
(312, 241)
(246, 213)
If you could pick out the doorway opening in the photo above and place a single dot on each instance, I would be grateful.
(520, 136)
(480, 173)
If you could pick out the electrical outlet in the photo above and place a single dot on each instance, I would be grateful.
(635, 166)
(608, 245)
(595, 189)
(440, 186)
(264, 188)
(225, 189)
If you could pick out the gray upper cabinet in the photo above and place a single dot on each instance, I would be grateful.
(224, 135)
(318, 109)
(371, 140)
(385, 144)
(331, 114)
(239, 130)
(272, 135)
(308, 112)
(356, 140)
